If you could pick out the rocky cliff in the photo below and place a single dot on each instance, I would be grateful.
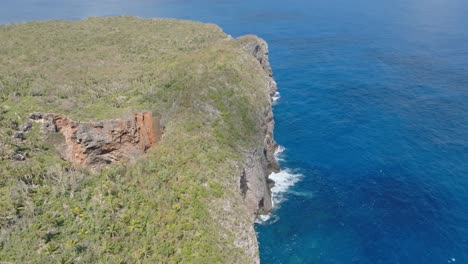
(91, 177)
(261, 162)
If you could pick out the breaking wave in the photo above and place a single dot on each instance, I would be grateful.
(284, 180)
(276, 97)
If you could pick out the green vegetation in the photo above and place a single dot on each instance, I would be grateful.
(168, 207)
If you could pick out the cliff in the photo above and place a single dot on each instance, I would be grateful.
(100, 143)
(260, 161)
(133, 140)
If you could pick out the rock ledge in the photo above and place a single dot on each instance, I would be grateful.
(101, 142)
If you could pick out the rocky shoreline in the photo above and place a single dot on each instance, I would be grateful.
(162, 144)
(261, 162)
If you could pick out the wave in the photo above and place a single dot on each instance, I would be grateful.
(279, 153)
(276, 97)
(284, 180)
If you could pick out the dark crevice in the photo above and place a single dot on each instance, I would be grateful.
(261, 203)
(243, 184)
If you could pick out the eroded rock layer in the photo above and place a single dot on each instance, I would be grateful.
(101, 142)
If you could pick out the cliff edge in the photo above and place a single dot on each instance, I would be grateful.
(133, 140)
(261, 161)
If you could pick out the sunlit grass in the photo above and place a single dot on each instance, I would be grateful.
(164, 208)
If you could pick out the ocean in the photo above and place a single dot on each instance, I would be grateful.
(372, 120)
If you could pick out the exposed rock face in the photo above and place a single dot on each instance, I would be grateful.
(259, 49)
(261, 162)
(102, 142)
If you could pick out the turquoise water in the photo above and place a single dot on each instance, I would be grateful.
(373, 116)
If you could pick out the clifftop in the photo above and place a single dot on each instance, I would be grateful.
(188, 195)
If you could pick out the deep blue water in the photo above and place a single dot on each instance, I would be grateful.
(373, 114)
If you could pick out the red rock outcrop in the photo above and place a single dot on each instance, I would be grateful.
(101, 142)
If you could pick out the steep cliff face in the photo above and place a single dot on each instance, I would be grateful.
(194, 194)
(101, 142)
(261, 162)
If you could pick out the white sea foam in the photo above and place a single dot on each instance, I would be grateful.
(278, 153)
(276, 97)
(284, 180)
(269, 218)
(261, 219)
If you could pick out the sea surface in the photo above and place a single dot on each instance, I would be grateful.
(373, 118)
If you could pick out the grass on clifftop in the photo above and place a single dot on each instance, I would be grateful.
(168, 207)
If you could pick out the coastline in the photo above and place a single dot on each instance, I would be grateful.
(211, 97)
(261, 161)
